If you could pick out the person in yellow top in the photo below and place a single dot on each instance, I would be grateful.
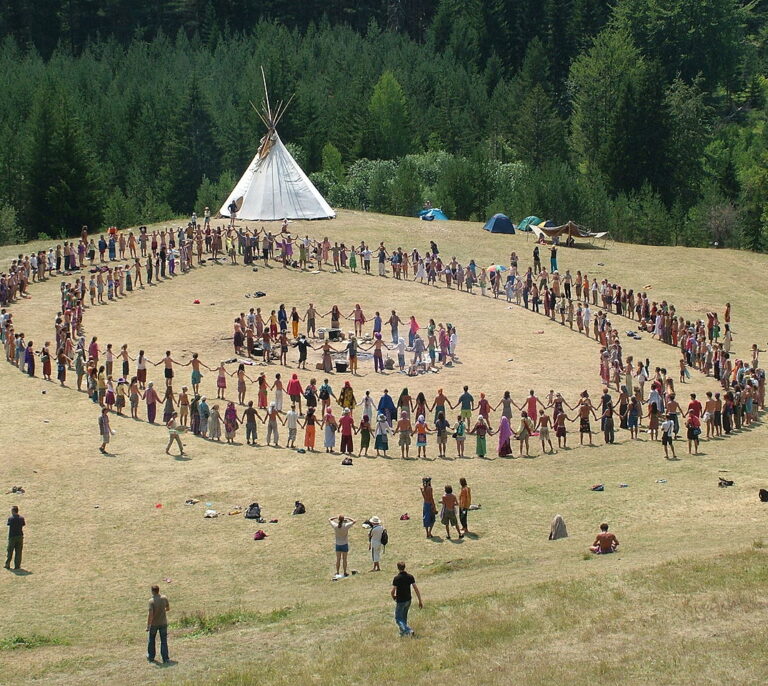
(465, 500)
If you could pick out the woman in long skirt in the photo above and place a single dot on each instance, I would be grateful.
(382, 436)
(214, 424)
(429, 509)
(505, 433)
(230, 422)
(329, 424)
(309, 429)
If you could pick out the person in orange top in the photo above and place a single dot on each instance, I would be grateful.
(465, 500)
(605, 542)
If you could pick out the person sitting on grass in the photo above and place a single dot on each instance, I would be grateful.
(605, 542)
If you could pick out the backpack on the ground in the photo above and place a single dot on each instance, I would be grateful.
(299, 508)
(763, 495)
(253, 511)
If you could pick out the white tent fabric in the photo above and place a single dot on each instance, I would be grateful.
(275, 188)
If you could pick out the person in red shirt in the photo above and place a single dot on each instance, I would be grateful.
(605, 542)
(347, 426)
(694, 407)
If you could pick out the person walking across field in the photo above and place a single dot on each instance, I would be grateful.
(401, 594)
(157, 623)
(16, 525)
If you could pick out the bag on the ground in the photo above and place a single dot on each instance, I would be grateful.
(723, 483)
(259, 535)
(299, 508)
(253, 511)
(763, 494)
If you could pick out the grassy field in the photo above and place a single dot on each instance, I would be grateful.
(683, 597)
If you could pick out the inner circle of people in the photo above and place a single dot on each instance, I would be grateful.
(266, 338)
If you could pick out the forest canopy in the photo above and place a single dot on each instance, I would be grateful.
(641, 118)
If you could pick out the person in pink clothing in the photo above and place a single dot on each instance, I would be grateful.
(346, 427)
(413, 328)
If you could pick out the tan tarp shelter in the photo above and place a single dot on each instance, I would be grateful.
(568, 229)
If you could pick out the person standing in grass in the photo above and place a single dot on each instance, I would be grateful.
(667, 429)
(104, 429)
(157, 623)
(16, 526)
(465, 500)
(341, 527)
(401, 594)
(173, 434)
(448, 513)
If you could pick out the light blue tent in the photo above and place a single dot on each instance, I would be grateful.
(430, 215)
(525, 225)
(499, 223)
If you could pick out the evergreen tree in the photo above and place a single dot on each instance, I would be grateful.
(191, 152)
(538, 133)
(63, 189)
(388, 134)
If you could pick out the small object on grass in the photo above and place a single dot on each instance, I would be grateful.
(191, 501)
(598, 487)
(195, 302)
(724, 483)
(210, 514)
(168, 580)
(347, 461)
(404, 517)
(475, 507)
(44, 392)
(623, 485)
(539, 332)
(661, 481)
(259, 535)
(273, 521)
(158, 506)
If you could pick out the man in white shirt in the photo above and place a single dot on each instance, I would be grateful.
(667, 429)
(291, 421)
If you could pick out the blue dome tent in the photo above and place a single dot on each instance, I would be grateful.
(430, 215)
(499, 223)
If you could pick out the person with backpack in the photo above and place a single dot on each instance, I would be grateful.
(377, 539)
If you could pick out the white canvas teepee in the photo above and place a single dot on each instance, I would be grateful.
(274, 187)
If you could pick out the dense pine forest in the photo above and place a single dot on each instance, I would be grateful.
(642, 118)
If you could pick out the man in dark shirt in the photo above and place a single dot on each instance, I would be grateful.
(15, 538)
(401, 594)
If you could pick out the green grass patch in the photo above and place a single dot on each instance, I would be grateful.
(201, 623)
(31, 641)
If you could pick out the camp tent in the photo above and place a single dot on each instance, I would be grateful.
(430, 215)
(499, 223)
(525, 225)
(274, 187)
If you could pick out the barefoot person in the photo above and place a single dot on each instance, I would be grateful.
(104, 429)
(173, 434)
(450, 504)
(605, 542)
(428, 509)
(341, 527)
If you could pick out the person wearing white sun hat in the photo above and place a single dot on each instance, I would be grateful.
(374, 542)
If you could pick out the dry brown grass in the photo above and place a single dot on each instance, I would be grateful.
(91, 567)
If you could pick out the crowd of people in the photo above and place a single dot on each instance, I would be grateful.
(271, 336)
